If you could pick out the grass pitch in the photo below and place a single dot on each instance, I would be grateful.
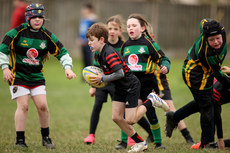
(70, 108)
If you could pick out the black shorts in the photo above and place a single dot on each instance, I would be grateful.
(102, 93)
(147, 86)
(128, 95)
(220, 94)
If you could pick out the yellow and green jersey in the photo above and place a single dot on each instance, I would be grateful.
(143, 55)
(27, 50)
(203, 63)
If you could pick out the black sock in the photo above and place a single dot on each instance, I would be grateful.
(145, 125)
(148, 104)
(45, 132)
(137, 138)
(185, 132)
(20, 136)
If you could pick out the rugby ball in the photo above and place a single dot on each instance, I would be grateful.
(92, 71)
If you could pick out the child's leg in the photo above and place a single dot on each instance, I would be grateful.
(155, 126)
(20, 119)
(95, 116)
(42, 108)
(21, 112)
(43, 114)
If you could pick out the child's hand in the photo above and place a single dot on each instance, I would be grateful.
(92, 91)
(8, 76)
(225, 69)
(164, 69)
(96, 78)
(221, 144)
(69, 74)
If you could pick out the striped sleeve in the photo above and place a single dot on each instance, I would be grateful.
(114, 61)
(56, 48)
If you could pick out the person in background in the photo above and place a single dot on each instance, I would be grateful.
(18, 16)
(23, 52)
(88, 19)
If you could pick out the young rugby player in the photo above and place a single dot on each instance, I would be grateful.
(202, 64)
(22, 55)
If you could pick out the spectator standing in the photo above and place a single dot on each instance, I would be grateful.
(18, 16)
(88, 18)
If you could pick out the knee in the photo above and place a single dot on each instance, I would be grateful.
(131, 122)
(43, 108)
(24, 108)
(117, 119)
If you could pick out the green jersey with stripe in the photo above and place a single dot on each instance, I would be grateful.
(203, 63)
(143, 55)
(27, 49)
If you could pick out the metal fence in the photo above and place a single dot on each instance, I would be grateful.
(175, 26)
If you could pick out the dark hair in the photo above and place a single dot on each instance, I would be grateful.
(98, 30)
(143, 22)
(88, 6)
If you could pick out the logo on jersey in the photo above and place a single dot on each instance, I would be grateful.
(141, 50)
(127, 51)
(24, 43)
(32, 53)
(133, 63)
(43, 45)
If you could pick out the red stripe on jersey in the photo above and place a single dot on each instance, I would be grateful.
(113, 59)
(108, 72)
(115, 63)
(113, 54)
(216, 92)
(216, 97)
(214, 81)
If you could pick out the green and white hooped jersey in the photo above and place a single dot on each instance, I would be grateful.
(27, 50)
(143, 55)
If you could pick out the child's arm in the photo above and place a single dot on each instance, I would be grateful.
(66, 62)
(4, 63)
(107, 78)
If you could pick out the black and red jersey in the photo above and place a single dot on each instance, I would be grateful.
(111, 61)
